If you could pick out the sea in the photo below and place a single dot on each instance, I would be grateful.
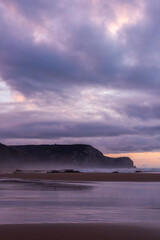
(122, 170)
(47, 201)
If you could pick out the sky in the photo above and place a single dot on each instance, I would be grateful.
(82, 71)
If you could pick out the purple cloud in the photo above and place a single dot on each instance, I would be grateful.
(83, 70)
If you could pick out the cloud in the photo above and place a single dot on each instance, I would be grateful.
(142, 111)
(78, 52)
(86, 71)
(21, 127)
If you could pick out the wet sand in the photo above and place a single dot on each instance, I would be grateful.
(78, 231)
(117, 177)
(84, 231)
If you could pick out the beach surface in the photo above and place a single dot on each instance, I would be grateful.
(122, 177)
(78, 231)
(83, 230)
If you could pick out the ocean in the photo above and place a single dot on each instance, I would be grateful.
(89, 170)
(123, 170)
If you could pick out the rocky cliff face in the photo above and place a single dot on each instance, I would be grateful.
(77, 155)
(10, 156)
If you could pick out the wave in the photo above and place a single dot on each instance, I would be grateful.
(90, 170)
(123, 170)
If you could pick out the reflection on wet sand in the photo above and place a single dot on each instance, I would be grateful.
(48, 201)
(45, 185)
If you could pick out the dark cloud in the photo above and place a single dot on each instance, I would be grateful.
(142, 111)
(48, 130)
(124, 144)
(108, 137)
(151, 130)
(57, 129)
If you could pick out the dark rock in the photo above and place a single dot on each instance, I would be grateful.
(76, 155)
(54, 171)
(17, 171)
(71, 171)
(11, 157)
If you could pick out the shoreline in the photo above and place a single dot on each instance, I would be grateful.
(102, 177)
(78, 231)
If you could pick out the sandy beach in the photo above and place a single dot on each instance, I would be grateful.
(85, 231)
(78, 231)
(122, 177)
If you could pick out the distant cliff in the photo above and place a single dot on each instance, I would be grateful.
(77, 155)
(9, 156)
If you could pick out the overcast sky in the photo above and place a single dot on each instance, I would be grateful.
(81, 71)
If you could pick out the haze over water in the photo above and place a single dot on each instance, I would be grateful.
(37, 201)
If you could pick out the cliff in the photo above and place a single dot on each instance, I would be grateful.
(77, 155)
(9, 156)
